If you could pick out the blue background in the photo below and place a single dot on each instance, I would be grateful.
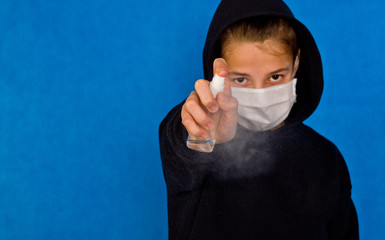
(85, 84)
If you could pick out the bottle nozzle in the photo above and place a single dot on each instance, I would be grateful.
(217, 85)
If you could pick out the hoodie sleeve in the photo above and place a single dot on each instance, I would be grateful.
(344, 225)
(184, 169)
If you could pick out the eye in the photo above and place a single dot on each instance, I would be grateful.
(275, 78)
(240, 81)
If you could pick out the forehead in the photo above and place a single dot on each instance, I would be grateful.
(269, 53)
(271, 46)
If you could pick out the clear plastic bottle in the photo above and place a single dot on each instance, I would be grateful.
(207, 144)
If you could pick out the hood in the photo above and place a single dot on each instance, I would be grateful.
(309, 74)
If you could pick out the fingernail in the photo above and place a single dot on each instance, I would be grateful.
(204, 135)
(214, 108)
(222, 72)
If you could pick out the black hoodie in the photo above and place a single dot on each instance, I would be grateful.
(290, 183)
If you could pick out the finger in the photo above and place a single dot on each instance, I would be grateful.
(220, 67)
(227, 88)
(227, 103)
(205, 95)
(191, 126)
(195, 112)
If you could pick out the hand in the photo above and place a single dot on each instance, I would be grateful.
(201, 102)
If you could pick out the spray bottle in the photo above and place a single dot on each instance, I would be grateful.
(217, 85)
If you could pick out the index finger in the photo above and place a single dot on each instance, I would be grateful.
(220, 67)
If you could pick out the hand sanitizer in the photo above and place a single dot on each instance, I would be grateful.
(217, 85)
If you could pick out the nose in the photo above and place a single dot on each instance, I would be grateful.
(258, 84)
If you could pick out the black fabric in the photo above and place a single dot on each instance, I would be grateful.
(290, 183)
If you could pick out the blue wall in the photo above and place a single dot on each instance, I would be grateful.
(85, 84)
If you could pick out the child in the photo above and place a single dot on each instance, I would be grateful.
(269, 176)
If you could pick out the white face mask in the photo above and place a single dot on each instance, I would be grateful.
(265, 108)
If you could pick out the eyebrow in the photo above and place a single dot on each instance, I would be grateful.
(286, 69)
(239, 74)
